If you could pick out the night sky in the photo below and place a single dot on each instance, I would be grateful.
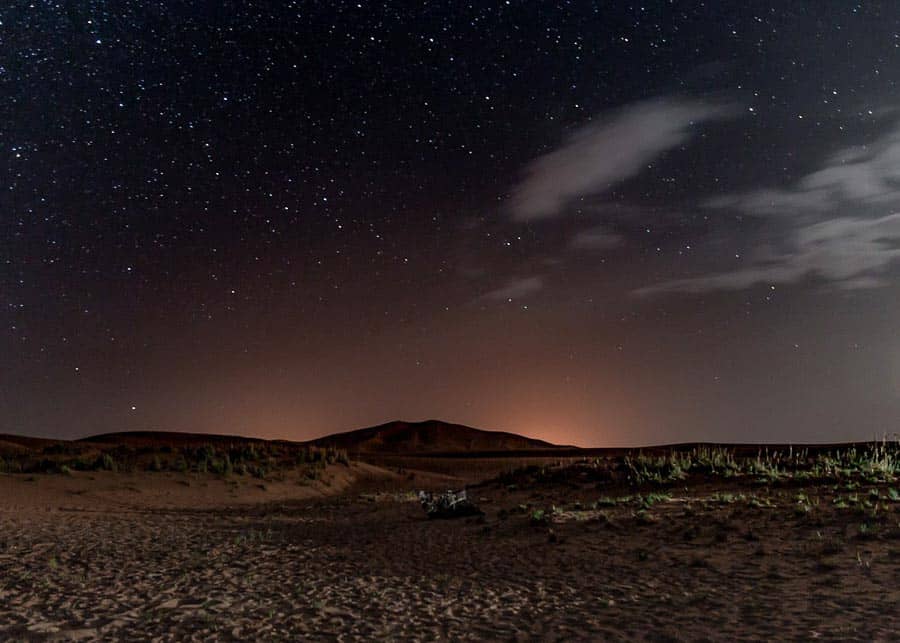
(596, 223)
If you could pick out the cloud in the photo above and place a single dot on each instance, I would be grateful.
(515, 289)
(765, 203)
(599, 155)
(599, 238)
(861, 175)
(815, 218)
(850, 253)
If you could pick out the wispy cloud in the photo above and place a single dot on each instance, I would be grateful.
(838, 224)
(600, 155)
(515, 289)
(849, 253)
(598, 238)
(861, 175)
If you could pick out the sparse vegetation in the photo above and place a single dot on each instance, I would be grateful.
(849, 467)
(258, 459)
(107, 463)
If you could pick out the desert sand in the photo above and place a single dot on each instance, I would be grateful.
(144, 556)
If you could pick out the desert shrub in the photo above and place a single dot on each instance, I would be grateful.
(106, 462)
(81, 464)
(65, 470)
(866, 531)
(652, 498)
(11, 465)
(256, 470)
(221, 466)
(61, 449)
(726, 498)
(666, 469)
(203, 457)
(41, 466)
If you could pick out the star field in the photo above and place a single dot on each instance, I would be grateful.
(589, 223)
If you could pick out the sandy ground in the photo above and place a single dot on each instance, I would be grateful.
(107, 491)
(357, 559)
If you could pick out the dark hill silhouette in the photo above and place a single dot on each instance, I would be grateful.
(170, 438)
(429, 437)
(10, 443)
(432, 437)
(392, 438)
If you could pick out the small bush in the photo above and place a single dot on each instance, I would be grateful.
(107, 463)
(221, 466)
(13, 466)
(80, 464)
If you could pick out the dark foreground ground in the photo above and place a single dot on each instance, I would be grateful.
(554, 558)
